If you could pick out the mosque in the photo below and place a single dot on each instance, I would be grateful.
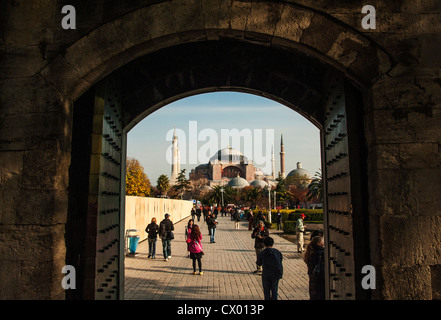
(230, 167)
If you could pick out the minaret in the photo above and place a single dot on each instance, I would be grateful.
(175, 160)
(273, 163)
(282, 157)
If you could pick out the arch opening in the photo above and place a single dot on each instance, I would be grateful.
(146, 84)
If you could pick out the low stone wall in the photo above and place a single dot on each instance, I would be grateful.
(141, 210)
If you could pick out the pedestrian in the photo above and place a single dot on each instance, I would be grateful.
(187, 233)
(250, 220)
(236, 219)
(259, 234)
(279, 220)
(166, 228)
(194, 241)
(193, 213)
(152, 230)
(314, 259)
(271, 261)
(212, 223)
(300, 229)
(198, 213)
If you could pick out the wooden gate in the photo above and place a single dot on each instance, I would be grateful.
(345, 216)
(104, 236)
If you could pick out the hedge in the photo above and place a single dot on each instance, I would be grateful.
(311, 215)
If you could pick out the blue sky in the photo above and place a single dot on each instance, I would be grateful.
(263, 119)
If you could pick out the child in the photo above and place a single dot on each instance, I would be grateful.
(271, 260)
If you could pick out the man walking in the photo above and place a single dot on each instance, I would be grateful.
(166, 228)
(271, 260)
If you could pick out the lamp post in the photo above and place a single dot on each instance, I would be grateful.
(275, 200)
(269, 203)
(222, 192)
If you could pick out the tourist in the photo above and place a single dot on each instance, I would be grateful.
(236, 219)
(314, 259)
(187, 232)
(250, 220)
(195, 245)
(271, 261)
(152, 230)
(259, 234)
(198, 213)
(279, 220)
(193, 213)
(300, 229)
(212, 223)
(166, 228)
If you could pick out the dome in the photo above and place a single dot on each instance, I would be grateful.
(299, 177)
(259, 184)
(238, 182)
(229, 155)
(299, 173)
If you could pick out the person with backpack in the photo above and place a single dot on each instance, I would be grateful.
(152, 230)
(314, 259)
(166, 228)
(271, 261)
(194, 239)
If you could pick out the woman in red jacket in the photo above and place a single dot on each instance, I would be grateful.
(195, 246)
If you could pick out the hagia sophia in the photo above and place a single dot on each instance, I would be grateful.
(230, 167)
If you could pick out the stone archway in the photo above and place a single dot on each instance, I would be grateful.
(288, 76)
(83, 59)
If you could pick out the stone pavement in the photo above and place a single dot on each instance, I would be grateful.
(228, 267)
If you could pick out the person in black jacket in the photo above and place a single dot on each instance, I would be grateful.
(259, 234)
(165, 232)
(314, 258)
(152, 230)
(271, 260)
(211, 223)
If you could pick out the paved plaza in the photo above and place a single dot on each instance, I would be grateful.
(228, 267)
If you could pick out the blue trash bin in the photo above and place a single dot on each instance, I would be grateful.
(133, 243)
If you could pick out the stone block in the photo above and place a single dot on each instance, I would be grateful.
(293, 21)
(29, 95)
(233, 15)
(106, 41)
(407, 156)
(405, 282)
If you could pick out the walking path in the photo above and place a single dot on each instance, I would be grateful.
(228, 267)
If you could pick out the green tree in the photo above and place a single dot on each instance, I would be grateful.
(215, 195)
(137, 183)
(315, 188)
(162, 184)
(182, 183)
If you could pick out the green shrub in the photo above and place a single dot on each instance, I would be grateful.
(289, 227)
(311, 215)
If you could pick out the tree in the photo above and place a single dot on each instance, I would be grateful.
(137, 183)
(315, 188)
(162, 184)
(182, 183)
(197, 182)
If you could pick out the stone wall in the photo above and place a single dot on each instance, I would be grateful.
(141, 210)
